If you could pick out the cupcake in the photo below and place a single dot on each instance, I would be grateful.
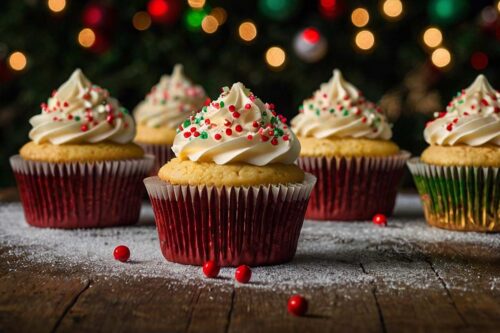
(233, 194)
(458, 175)
(80, 169)
(166, 106)
(346, 144)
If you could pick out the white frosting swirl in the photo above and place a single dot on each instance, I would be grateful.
(79, 112)
(237, 127)
(339, 110)
(170, 101)
(472, 118)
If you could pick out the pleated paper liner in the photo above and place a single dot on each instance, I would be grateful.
(459, 197)
(257, 225)
(81, 195)
(353, 188)
(162, 154)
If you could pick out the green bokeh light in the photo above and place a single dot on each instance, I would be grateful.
(194, 18)
(278, 9)
(447, 11)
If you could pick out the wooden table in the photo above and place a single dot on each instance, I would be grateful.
(462, 294)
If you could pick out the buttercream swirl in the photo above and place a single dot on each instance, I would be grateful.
(237, 127)
(80, 112)
(472, 118)
(170, 101)
(339, 110)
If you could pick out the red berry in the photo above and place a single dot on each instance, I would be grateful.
(243, 274)
(121, 253)
(211, 269)
(380, 220)
(297, 305)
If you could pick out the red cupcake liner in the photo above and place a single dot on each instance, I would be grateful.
(81, 195)
(353, 188)
(162, 154)
(231, 225)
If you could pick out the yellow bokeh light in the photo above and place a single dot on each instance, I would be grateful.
(247, 31)
(433, 37)
(498, 6)
(209, 24)
(364, 40)
(360, 17)
(275, 57)
(198, 4)
(17, 61)
(441, 57)
(220, 14)
(392, 8)
(56, 5)
(86, 37)
(141, 21)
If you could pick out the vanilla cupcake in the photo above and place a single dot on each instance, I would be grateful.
(234, 193)
(458, 175)
(166, 106)
(346, 144)
(81, 169)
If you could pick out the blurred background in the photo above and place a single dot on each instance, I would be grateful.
(411, 56)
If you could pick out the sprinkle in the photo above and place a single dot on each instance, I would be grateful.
(221, 104)
(484, 102)
(232, 108)
(455, 120)
(207, 121)
(238, 128)
(193, 129)
(187, 134)
(207, 102)
(217, 136)
(70, 116)
(255, 124)
(204, 135)
(248, 106)
(274, 141)
(271, 106)
(449, 127)
(332, 110)
(363, 120)
(441, 114)
(77, 118)
(229, 131)
(236, 114)
(186, 123)
(84, 128)
(65, 104)
(264, 138)
(227, 123)
(196, 134)
(250, 137)
(466, 113)
(55, 119)
(285, 137)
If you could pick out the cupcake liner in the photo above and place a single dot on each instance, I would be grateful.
(459, 197)
(162, 154)
(353, 188)
(257, 225)
(81, 195)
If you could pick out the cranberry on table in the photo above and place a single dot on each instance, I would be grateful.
(243, 274)
(121, 253)
(297, 305)
(211, 269)
(380, 220)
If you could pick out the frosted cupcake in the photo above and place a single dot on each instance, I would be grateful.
(346, 144)
(81, 169)
(458, 175)
(166, 106)
(234, 193)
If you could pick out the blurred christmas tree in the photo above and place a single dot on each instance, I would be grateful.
(411, 55)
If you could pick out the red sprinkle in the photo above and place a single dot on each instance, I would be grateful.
(211, 269)
(232, 108)
(484, 102)
(236, 114)
(285, 137)
(193, 129)
(243, 274)
(363, 120)
(255, 124)
(121, 253)
(264, 138)
(274, 141)
(196, 134)
(248, 106)
(110, 118)
(442, 114)
(449, 127)
(207, 102)
(84, 128)
(207, 121)
(217, 136)
(65, 104)
(70, 116)
(238, 128)
(250, 137)
(229, 131)
(187, 134)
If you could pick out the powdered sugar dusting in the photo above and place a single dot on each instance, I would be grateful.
(328, 254)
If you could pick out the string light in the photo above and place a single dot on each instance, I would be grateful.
(432, 37)
(209, 24)
(197, 4)
(275, 57)
(441, 57)
(364, 40)
(141, 21)
(86, 37)
(220, 15)
(17, 61)
(56, 5)
(360, 17)
(392, 9)
(247, 31)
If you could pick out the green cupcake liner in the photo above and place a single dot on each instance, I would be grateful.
(458, 197)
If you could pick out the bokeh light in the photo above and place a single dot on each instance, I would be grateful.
(247, 31)
(220, 15)
(209, 24)
(392, 8)
(275, 57)
(86, 37)
(441, 57)
(197, 4)
(194, 19)
(311, 35)
(432, 37)
(479, 60)
(56, 5)
(360, 17)
(18, 61)
(141, 21)
(498, 6)
(364, 40)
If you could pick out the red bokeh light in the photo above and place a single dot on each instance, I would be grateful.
(311, 35)
(479, 60)
(93, 16)
(158, 8)
(329, 8)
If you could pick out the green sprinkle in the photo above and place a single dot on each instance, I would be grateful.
(123, 110)
(461, 101)
(311, 106)
(278, 132)
(317, 112)
(186, 123)
(163, 102)
(345, 113)
(332, 110)
(77, 118)
(221, 104)
(204, 135)
(264, 114)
